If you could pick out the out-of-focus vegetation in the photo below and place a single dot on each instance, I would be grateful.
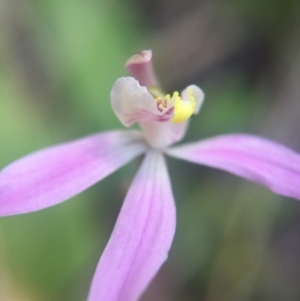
(58, 60)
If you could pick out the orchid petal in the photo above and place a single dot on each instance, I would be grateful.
(52, 175)
(141, 238)
(140, 67)
(265, 162)
(133, 103)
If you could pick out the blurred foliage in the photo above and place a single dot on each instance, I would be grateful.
(58, 61)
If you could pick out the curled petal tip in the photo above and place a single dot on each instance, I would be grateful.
(140, 67)
(142, 57)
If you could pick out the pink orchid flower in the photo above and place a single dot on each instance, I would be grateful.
(142, 236)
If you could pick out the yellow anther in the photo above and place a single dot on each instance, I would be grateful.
(183, 109)
(191, 95)
(162, 102)
(160, 106)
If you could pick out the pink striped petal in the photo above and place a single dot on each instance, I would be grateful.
(142, 236)
(52, 175)
(256, 159)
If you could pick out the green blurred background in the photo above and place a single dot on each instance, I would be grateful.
(235, 240)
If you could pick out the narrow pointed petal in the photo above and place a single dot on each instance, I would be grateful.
(142, 236)
(265, 162)
(141, 68)
(53, 175)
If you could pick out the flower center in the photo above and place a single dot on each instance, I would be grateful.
(183, 108)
